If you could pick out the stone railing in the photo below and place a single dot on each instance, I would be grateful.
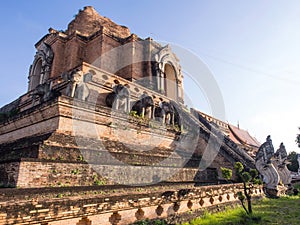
(113, 205)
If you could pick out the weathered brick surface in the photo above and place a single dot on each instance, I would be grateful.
(57, 174)
(46, 145)
(65, 149)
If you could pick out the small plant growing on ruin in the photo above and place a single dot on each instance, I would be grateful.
(7, 115)
(61, 158)
(75, 171)
(98, 181)
(133, 113)
(80, 158)
(60, 195)
(177, 128)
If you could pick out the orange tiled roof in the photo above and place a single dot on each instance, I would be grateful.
(242, 136)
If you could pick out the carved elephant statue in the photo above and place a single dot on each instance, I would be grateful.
(44, 92)
(110, 98)
(119, 98)
(77, 87)
(178, 111)
(144, 106)
(165, 112)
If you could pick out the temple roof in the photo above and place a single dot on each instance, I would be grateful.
(237, 135)
(88, 21)
(240, 136)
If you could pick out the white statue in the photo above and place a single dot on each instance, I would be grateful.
(280, 163)
(265, 166)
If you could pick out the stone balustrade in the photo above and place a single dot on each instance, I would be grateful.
(116, 207)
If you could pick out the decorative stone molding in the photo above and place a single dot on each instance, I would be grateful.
(76, 84)
(166, 59)
(131, 204)
(40, 69)
(164, 56)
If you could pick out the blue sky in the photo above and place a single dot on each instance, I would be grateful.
(251, 47)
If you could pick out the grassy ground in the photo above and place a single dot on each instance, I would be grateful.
(284, 210)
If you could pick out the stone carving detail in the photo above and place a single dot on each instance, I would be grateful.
(280, 164)
(40, 69)
(165, 112)
(163, 58)
(144, 106)
(77, 87)
(44, 92)
(265, 166)
(119, 98)
(115, 218)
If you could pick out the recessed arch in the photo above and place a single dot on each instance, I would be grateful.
(170, 84)
(40, 69)
(36, 77)
(168, 75)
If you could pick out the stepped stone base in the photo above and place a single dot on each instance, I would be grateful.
(129, 151)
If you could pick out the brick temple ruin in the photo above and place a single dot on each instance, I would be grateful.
(73, 151)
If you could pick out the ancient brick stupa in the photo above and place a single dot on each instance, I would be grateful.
(105, 107)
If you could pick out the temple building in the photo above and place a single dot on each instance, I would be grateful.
(89, 79)
(91, 39)
(103, 114)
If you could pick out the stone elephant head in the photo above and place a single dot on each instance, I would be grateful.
(165, 112)
(77, 87)
(145, 105)
(118, 99)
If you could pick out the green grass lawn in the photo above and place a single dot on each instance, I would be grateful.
(284, 210)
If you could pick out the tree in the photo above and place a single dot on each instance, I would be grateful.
(292, 158)
(298, 139)
(248, 179)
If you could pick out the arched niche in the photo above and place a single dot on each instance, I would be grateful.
(36, 74)
(40, 69)
(168, 75)
(170, 82)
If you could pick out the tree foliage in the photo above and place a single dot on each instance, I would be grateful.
(238, 167)
(248, 179)
(298, 139)
(226, 173)
(292, 158)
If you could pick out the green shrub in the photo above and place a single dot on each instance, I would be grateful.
(226, 173)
